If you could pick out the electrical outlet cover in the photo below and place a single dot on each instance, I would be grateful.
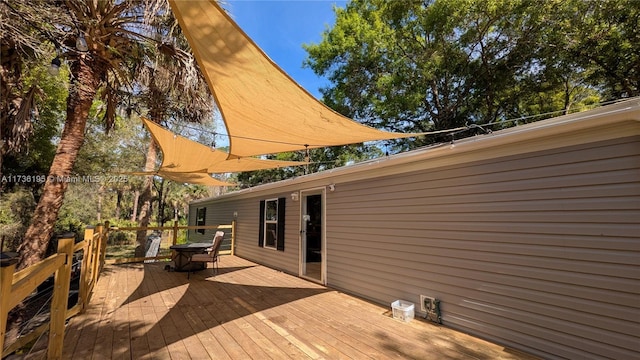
(426, 303)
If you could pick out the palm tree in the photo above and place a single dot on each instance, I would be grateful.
(180, 196)
(172, 87)
(20, 49)
(118, 37)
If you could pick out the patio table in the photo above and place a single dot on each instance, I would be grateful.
(181, 256)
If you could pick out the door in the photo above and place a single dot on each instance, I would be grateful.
(312, 237)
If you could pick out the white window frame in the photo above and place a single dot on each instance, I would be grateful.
(270, 221)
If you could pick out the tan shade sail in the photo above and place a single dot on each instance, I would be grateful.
(264, 110)
(181, 155)
(190, 178)
(194, 178)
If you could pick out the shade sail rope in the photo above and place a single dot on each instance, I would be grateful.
(455, 130)
(215, 133)
(326, 145)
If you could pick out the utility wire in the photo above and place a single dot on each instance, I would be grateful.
(426, 133)
(451, 131)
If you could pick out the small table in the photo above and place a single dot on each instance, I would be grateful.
(181, 256)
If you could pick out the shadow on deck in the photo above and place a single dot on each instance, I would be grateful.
(248, 311)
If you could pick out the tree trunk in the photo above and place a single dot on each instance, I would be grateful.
(99, 214)
(118, 211)
(100, 195)
(81, 95)
(145, 199)
(567, 95)
(162, 197)
(134, 211)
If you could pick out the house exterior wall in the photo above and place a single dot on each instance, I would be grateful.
(529, 238)
(247, 223)
(537, 251)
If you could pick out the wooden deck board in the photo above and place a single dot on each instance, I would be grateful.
(247, 311)
(289, 318)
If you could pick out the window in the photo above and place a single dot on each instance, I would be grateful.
(271, 232)
(201, 214)
(271, 223)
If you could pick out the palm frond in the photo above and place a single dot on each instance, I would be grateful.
(23, 120)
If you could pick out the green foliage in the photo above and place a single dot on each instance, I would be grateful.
(252, 178)
(182, 237)
(121, 223)
(19, 198)
(417, 66)
(319, 160)
(15, 213)
(102, 188)
(36, 158)
(603, 38)
(121, 237)
(79, 207)
(177, 198)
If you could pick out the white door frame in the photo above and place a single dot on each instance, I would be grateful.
(323, 239)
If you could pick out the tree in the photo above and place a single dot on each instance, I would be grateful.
(36, 150)
(116, 33)
(29, 119)
(320, 159)
(172, 87)
(178, 197)
(19, 51)
(15, 212)
(441, 64)
(602, 38)
(100, 162)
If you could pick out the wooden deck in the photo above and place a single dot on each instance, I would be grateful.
(249, 311)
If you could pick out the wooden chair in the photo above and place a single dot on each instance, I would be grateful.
(212, 255)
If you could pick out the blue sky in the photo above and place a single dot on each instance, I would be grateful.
(280, 27)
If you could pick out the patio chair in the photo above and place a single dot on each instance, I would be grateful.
(212, 254)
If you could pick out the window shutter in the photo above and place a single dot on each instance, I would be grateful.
(261, 223)
(201, 215)
(281, 212)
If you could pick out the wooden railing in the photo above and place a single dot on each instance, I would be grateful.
(174, 229)
(16, 286)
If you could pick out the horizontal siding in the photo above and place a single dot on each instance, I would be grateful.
(499, 267)
(248, 211)
(538, 251)
(212, 218)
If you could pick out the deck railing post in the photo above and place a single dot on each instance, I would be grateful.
(175, 232)
(62, 281)
(85, 271)
(6, 281)
(95, 265)
(103, 246)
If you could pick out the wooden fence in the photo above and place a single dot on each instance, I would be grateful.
(227, 228)
(16, 286)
